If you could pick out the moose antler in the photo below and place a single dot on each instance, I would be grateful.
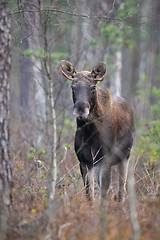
(70, 78)
(99, 79)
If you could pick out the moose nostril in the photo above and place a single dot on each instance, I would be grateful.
(87, 105)
(81, 109)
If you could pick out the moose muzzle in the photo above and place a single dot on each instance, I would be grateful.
(81, 109)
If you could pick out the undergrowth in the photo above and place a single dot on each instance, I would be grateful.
(74, 217)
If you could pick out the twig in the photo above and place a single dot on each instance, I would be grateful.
(67, 173)
(61, 229)
(42, 165)
(65, 154)
(146, 176)
(92, 17)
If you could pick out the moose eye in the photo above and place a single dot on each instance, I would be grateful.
(93, 88)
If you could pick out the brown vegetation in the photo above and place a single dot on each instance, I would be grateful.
(73, 216)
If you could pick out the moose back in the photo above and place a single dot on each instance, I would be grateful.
(104, 135)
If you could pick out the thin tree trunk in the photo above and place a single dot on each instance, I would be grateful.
(131, 61)
(86, 30)
(133, 202)
(33, 95)
(154, 67)
(118, 73)
(53, 165)
(5, 167)
(54, 140)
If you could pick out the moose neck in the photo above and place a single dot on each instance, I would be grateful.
(103, 105)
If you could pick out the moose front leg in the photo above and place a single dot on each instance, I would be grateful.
(88, 180)
(123, 171)
(84, 172)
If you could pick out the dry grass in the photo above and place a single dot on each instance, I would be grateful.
(72, 216)
(76, 218)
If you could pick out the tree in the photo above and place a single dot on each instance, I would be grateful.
(86, 33)
(5, 167)
(32, 92)
(154, 69)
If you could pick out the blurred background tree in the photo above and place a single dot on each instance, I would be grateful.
(124, 34)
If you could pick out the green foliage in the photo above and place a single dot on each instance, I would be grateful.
(39, 158)
(30, 156)
(42, 176)
(35, 154)
(26, 191)
(157, 60)
(155, 108)
(129, 9)
(117, 35)
(156, 92)
(43, 192)
(93, 42)
(61, 196)
(57, 56)
(58, 173)
(31, 150)
(148, 148)
(69, 127)
(142, 81)
(68, 146)
(41, 153)
(40, 53)
(120, 34)
(143, 93)
(75, 179)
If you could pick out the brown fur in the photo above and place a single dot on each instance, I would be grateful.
(104, 135)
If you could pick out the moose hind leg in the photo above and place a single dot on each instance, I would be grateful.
(104, 180)
(123, 171)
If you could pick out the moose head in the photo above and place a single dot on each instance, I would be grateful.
(83, 86)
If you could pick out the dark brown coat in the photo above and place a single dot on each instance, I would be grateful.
(104, 135)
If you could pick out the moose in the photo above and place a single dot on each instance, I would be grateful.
(104, 135)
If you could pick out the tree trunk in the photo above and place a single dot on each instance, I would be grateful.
(86, 30)
(5, 168)
(133, 201)
(131, 61)
(32, 90)
(155, 47)
(118, 73)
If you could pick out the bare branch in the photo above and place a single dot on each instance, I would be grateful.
(92, 17)
(61, 229)
(75, 166)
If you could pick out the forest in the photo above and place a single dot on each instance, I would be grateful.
(42, 195)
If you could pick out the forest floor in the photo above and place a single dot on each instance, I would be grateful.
(72, 216)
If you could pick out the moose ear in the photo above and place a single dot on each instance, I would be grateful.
(67, 69)
(99, 71)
